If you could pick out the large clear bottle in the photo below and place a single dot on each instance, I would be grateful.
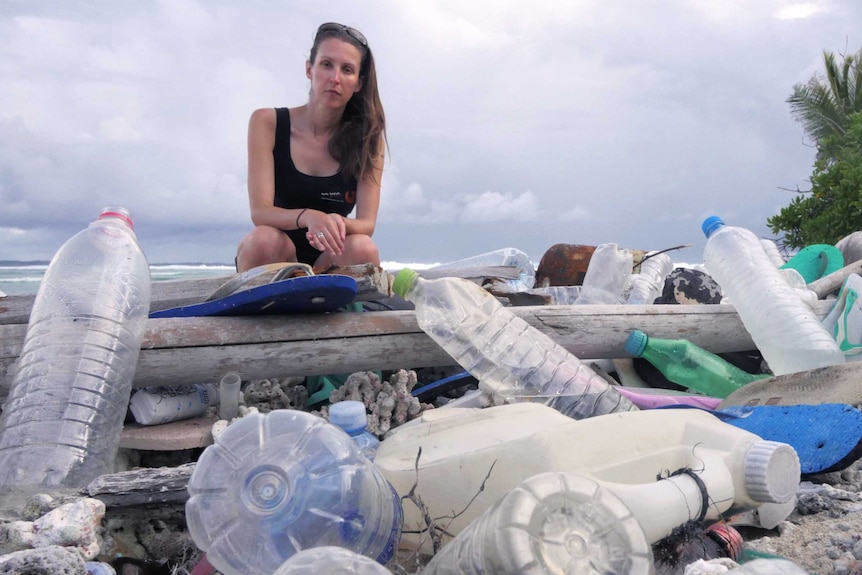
(275, 484)
(510, 358)
(61, 423)
(607, 274)
(647, 285)
(690, 366)
(783, 327)
(511, 257)
(330, 559)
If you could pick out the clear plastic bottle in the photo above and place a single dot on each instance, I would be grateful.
(607, 274)
(163, 404)
(509, 357)
(352, 418)
(772, 251)
(330, 559)
(275, 484)
(61, 424)
(553, 522)
(647, 285)
(783, 327)
(511, 257)
(690, 366)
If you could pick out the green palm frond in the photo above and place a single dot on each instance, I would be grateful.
(823, 106)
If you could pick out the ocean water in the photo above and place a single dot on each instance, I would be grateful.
(22, 278)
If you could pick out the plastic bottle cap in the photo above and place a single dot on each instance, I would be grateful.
(348, 415)
(772, 472)
(119, 213)
(711, 224)
(403, 281)
(636, 343)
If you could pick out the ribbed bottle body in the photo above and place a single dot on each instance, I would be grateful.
(510, 358)
(783, 327)
(647, 285)
(61, 423)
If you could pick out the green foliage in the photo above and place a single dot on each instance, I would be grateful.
(833, 207)
(824, 105)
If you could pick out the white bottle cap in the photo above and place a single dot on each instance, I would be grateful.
(772, 472)
(348, 415)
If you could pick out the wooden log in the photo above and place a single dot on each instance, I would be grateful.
(832, 282)
(181, 351)
(142, 487)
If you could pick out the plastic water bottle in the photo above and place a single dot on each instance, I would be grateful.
(607, 274)
(772, 251)
(690, 366)
(783, 327)
(509, 357)
(61, 423)
(330, 559)
(647, 285)
(162, 404)
(511, 257)
(351, 417)
(275, 484)
(551, 523)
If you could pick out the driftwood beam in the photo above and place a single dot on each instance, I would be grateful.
(180, 351)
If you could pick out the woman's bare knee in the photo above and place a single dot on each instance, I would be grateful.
(264, 245)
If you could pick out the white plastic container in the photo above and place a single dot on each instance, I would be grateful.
(61, 423)
(511, 257)
(553, 523)
(329, 559)
(275, 484)
(607, 274)
(485, 453)
(510, 358)
(163, 404)
(229, 392)
(648, 284)
(784, 328)
(351, 417)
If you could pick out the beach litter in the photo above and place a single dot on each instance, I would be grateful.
(721, 487)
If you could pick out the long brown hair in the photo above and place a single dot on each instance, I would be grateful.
(356, 141)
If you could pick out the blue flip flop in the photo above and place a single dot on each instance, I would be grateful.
(827, 437)
(304, 294)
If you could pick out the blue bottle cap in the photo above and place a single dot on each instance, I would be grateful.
(636, 343)
(711, 224)
(348, 415)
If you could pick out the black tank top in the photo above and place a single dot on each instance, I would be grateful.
(293, 189)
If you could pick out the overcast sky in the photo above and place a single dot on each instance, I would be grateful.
(510, 123)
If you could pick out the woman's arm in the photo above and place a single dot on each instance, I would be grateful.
(367, 200)
(261, 174)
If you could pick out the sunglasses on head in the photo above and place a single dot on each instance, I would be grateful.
(352, 32)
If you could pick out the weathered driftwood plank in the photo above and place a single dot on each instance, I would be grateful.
(832, 282)
(197, 350)
(142, 487)
(372, 283)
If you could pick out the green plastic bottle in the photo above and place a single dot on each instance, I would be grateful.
(690, 366)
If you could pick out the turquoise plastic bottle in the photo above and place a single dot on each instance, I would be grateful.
(688, 365)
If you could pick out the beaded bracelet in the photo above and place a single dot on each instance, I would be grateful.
(299, 216)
